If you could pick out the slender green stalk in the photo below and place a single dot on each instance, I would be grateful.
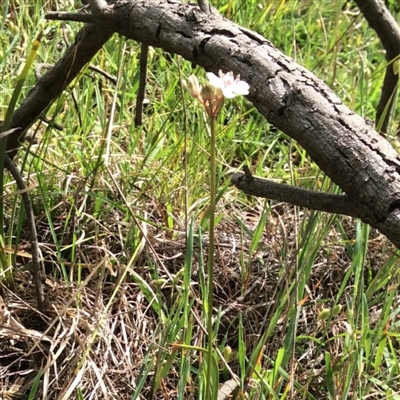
(210, 271)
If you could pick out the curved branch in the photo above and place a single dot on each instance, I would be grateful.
(88, 42)
(346, 147)
(332, 203)
(36, 268)
(384, 24)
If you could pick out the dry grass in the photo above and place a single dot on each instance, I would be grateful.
(99, 332)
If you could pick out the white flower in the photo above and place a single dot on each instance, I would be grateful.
(212, 94)
(230, 86)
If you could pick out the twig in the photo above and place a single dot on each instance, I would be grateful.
(37, 275)
(9, 132)
(142, 84)
(68, 16)
(53, 124)
(91, 67)
(227, 389)
(332, 203)
(106, 75)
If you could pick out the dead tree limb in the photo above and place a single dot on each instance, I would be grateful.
(383, 23)
(346, 147)
(88, 42)
(36, 265)
(332, 203)
(144, 54)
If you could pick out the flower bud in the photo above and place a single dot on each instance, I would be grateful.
(208, 92)
(192, 86)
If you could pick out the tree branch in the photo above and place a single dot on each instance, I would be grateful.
(332, 203)
(346, 147)
(70, 16)
(36, 268)
(144, 53)
(88, 42)
(384, 24)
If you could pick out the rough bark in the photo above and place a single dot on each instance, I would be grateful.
(344, 145)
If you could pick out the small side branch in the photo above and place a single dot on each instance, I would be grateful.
(142, 84)
(69, 16)
(332, 203)
(37, 275)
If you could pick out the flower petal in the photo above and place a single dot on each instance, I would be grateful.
(229, 93)
(215, 80)
(241, 88)
(230, 85)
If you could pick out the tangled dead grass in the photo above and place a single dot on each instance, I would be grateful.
(100, 329)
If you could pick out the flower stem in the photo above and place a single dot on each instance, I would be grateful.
(210, 269)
